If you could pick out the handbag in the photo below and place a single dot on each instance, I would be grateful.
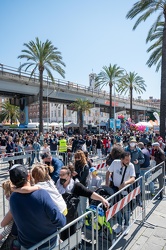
(10, 243)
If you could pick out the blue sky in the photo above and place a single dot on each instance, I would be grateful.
(89, 33)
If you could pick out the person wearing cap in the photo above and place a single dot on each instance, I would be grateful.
(55, 163)
(160, 140)
(94, 181)
(159, 157)
(137, 158)
(35, 214)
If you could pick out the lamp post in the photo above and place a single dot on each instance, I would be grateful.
(99, 112)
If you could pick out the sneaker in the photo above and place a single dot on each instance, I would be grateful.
(118, 229)
(126, 230)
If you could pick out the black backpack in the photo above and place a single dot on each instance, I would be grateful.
(105, 192)
(72, 204)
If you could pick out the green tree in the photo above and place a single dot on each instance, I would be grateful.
(129, 83)
(109, 76)
(81, 106)
(10, 112)
(144, 9)
(42, 56)
(155, 34)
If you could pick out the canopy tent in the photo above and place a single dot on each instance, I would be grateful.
(71, 125)
(55, 124)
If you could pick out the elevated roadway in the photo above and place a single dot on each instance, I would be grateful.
(16, 84)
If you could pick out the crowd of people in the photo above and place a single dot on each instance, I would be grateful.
(38, 196)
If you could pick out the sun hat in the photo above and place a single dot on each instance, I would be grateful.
(18, 174)
(155, 144)
(133, 139)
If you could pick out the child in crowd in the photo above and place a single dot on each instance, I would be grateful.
(6, 185)
(94, 181)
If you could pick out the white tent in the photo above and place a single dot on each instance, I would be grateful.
(55, 124)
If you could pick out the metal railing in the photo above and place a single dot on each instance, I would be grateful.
(61, 85)
(127, 207)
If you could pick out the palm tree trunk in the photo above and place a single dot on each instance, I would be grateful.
(131, 104)
(163, 85)
(41, 101)
(81, 122)
(110, 111)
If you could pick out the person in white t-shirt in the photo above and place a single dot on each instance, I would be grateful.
(116, 171)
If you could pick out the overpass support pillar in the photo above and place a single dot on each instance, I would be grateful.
(136, 115)
(23, 112)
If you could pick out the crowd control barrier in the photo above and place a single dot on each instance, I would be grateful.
(75, 240)
(127, 207)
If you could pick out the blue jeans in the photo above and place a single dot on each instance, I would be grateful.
(124, 214)
(56, 243)
(35, 155)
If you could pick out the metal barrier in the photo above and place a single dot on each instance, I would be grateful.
(100, 165)
(125, 210)
(153, 185)
(75, 240)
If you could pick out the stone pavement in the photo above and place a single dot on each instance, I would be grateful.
(151, 235)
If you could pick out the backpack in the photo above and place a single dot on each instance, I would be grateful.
(100, 222)
(105, 192)
(72, 204)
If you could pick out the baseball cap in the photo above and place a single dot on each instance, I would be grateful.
(92, 169)
(18, 175)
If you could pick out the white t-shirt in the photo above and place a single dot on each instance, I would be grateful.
(117, 169)
(50, 187)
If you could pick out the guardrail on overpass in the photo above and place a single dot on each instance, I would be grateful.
(62, 86)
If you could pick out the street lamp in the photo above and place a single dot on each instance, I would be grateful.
(99, 112)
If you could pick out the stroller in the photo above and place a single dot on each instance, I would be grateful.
(105, 234)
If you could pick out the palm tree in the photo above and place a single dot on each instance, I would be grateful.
(129, 83)
(42, 56)
(109, 76)
(145, 9)
(10, 112)
(155, 33)
(81, 106)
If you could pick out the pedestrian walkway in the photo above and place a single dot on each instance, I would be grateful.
(151, 235)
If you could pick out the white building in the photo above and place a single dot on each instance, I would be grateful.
(56, 113)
